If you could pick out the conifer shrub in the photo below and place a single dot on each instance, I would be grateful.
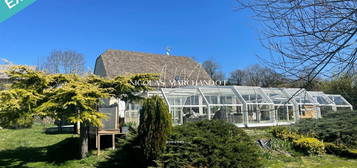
(340, 150)
(332, 148)
(213, 144)
(16, 108)
(336, 127)
(309, 146)
(154, 128)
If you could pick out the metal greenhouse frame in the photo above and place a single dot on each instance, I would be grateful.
(246, 106)
(340, 102)
(305, 104)
(284, 106)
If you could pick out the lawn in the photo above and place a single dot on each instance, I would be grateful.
(33, 148)
(325, 161)
(27, 148)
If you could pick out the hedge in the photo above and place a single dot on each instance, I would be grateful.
(211, 144)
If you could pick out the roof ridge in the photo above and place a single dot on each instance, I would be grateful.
(122, 62)
(146, 53)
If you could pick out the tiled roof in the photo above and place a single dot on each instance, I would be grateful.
(119, 62)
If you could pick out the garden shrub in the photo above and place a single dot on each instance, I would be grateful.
(336, 127)
(309, 146)
(8, 121)
(340, 150)
(352, 153)
(285, 133)
(332, 148)
(211, 144)
(154, 128)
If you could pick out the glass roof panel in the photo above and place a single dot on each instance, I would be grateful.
(321, 98)
(277, 95)
(252, 94)
(338, 100)
(218, 95)
(301, 96)
(184, 96)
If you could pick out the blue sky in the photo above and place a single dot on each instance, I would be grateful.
(203, 29)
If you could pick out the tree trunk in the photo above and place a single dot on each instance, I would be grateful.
(84, 136)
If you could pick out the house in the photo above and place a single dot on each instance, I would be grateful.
(174, 71)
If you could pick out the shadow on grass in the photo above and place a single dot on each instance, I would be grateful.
(128, 154)
(59, 153)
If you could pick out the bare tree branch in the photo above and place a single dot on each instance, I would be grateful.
(308, 37)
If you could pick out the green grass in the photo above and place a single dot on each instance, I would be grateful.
(292, 159)
(324, 161)
(31, 148)
(26, 148)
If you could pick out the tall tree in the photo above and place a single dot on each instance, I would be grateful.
(253, 75)
(236, 77)
(270, 78)
(67, 62)
(212, 68)
(219, 76)
(257, 75)
(314, 36)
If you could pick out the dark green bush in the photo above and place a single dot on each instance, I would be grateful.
(154, 128)
(332, 148)
(211, 144)
(340, 150)
(337, 127)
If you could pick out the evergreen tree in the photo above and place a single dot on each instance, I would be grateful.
(17, 107)
(154, 128)
(64, 97)
(76, 101)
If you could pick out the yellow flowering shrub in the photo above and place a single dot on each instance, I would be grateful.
(285, 134)
(309, 146)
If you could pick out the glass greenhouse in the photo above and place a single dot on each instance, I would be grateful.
(284, 106)
(306, 106)
(325, 103)
(245, 106)
(340, 102)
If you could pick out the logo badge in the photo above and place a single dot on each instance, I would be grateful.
(9, 8)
